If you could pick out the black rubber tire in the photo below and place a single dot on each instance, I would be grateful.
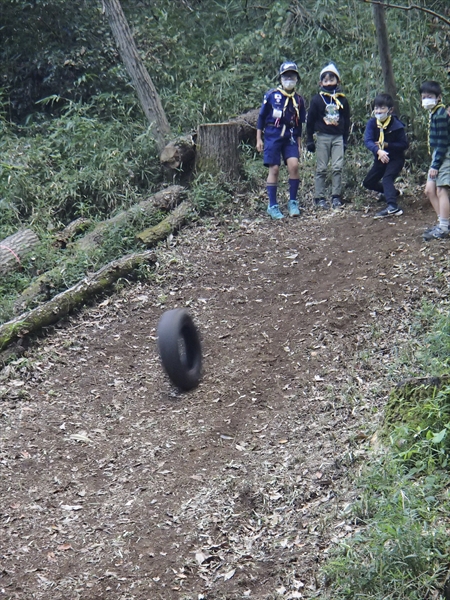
(179, 348)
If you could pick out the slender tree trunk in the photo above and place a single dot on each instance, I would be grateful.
(385, 53)
(146, 91)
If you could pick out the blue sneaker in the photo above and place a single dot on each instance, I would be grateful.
(293, 208)
(275, 212)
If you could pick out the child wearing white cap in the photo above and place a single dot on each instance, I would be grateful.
(329, 121)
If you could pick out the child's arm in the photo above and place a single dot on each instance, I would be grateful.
(259, 140)
(264, 111)
(370, 135)
(442, 141)
(310, 123)
(401, 143)
(346, 121)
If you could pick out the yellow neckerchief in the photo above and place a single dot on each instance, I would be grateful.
(288, 97)
(334, 98)
(432, 111)
(382, 125)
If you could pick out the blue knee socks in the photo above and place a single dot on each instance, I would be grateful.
(293, 188)
(272, 192)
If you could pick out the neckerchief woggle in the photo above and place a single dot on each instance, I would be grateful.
(334, 97)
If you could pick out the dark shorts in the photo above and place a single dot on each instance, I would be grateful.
(276, 147)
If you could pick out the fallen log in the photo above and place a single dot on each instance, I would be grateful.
(14, 248)
(179, 154)
(247, 126)
(75, 297)
(164, 200)
(74, 228)
(43, 285)
(171, 223)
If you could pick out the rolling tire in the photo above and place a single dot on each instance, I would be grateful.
(179, 348)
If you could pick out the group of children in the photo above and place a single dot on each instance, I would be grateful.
(280, 121)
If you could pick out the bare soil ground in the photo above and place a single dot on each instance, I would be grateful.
(115, 485)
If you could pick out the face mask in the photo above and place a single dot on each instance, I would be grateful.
(288, 84)
(381, 116)
(429, 103)
(329, 88)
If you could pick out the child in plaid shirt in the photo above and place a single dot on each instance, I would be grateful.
(438, 185)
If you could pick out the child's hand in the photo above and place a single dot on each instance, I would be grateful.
(383, 156)
(259, 145)
(433, 173)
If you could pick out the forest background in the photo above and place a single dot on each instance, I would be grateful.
(75, 143)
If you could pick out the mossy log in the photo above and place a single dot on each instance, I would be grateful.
(15, 247)
(42, 285)
(165, 200)
(62, 238)
(75, 297)
(171, 223)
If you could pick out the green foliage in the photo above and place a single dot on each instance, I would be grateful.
(401, 547)
(76, 165)
(210, 194)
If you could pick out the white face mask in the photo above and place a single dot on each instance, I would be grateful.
(288, 84)
(429, 103)
(381, 116)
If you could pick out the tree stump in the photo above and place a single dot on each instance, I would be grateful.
(218, 149)
(15, 247)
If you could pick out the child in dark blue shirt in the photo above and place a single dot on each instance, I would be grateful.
(281, 116)
(385, 137)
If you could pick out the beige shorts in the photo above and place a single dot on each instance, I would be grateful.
(443, 176)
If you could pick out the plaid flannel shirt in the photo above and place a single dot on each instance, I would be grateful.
(439, 136)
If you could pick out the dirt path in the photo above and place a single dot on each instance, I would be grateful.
(114, 485)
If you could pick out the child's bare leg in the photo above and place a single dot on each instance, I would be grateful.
(444, 207)
(431, 193)
(272, 177)
(292, 165)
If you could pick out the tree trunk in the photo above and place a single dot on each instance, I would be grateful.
(218, 149)
(146, 91)
(42, 285)
(15, 247)
(385, 53)
(171, 223)
(65, 302)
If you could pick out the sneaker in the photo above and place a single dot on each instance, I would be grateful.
(389, 212)
(436, 233)
(275, 212)
(293, 208)
(336, 202)
(321, 203)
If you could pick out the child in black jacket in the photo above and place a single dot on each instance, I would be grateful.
(385, 137)
(329, 120)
